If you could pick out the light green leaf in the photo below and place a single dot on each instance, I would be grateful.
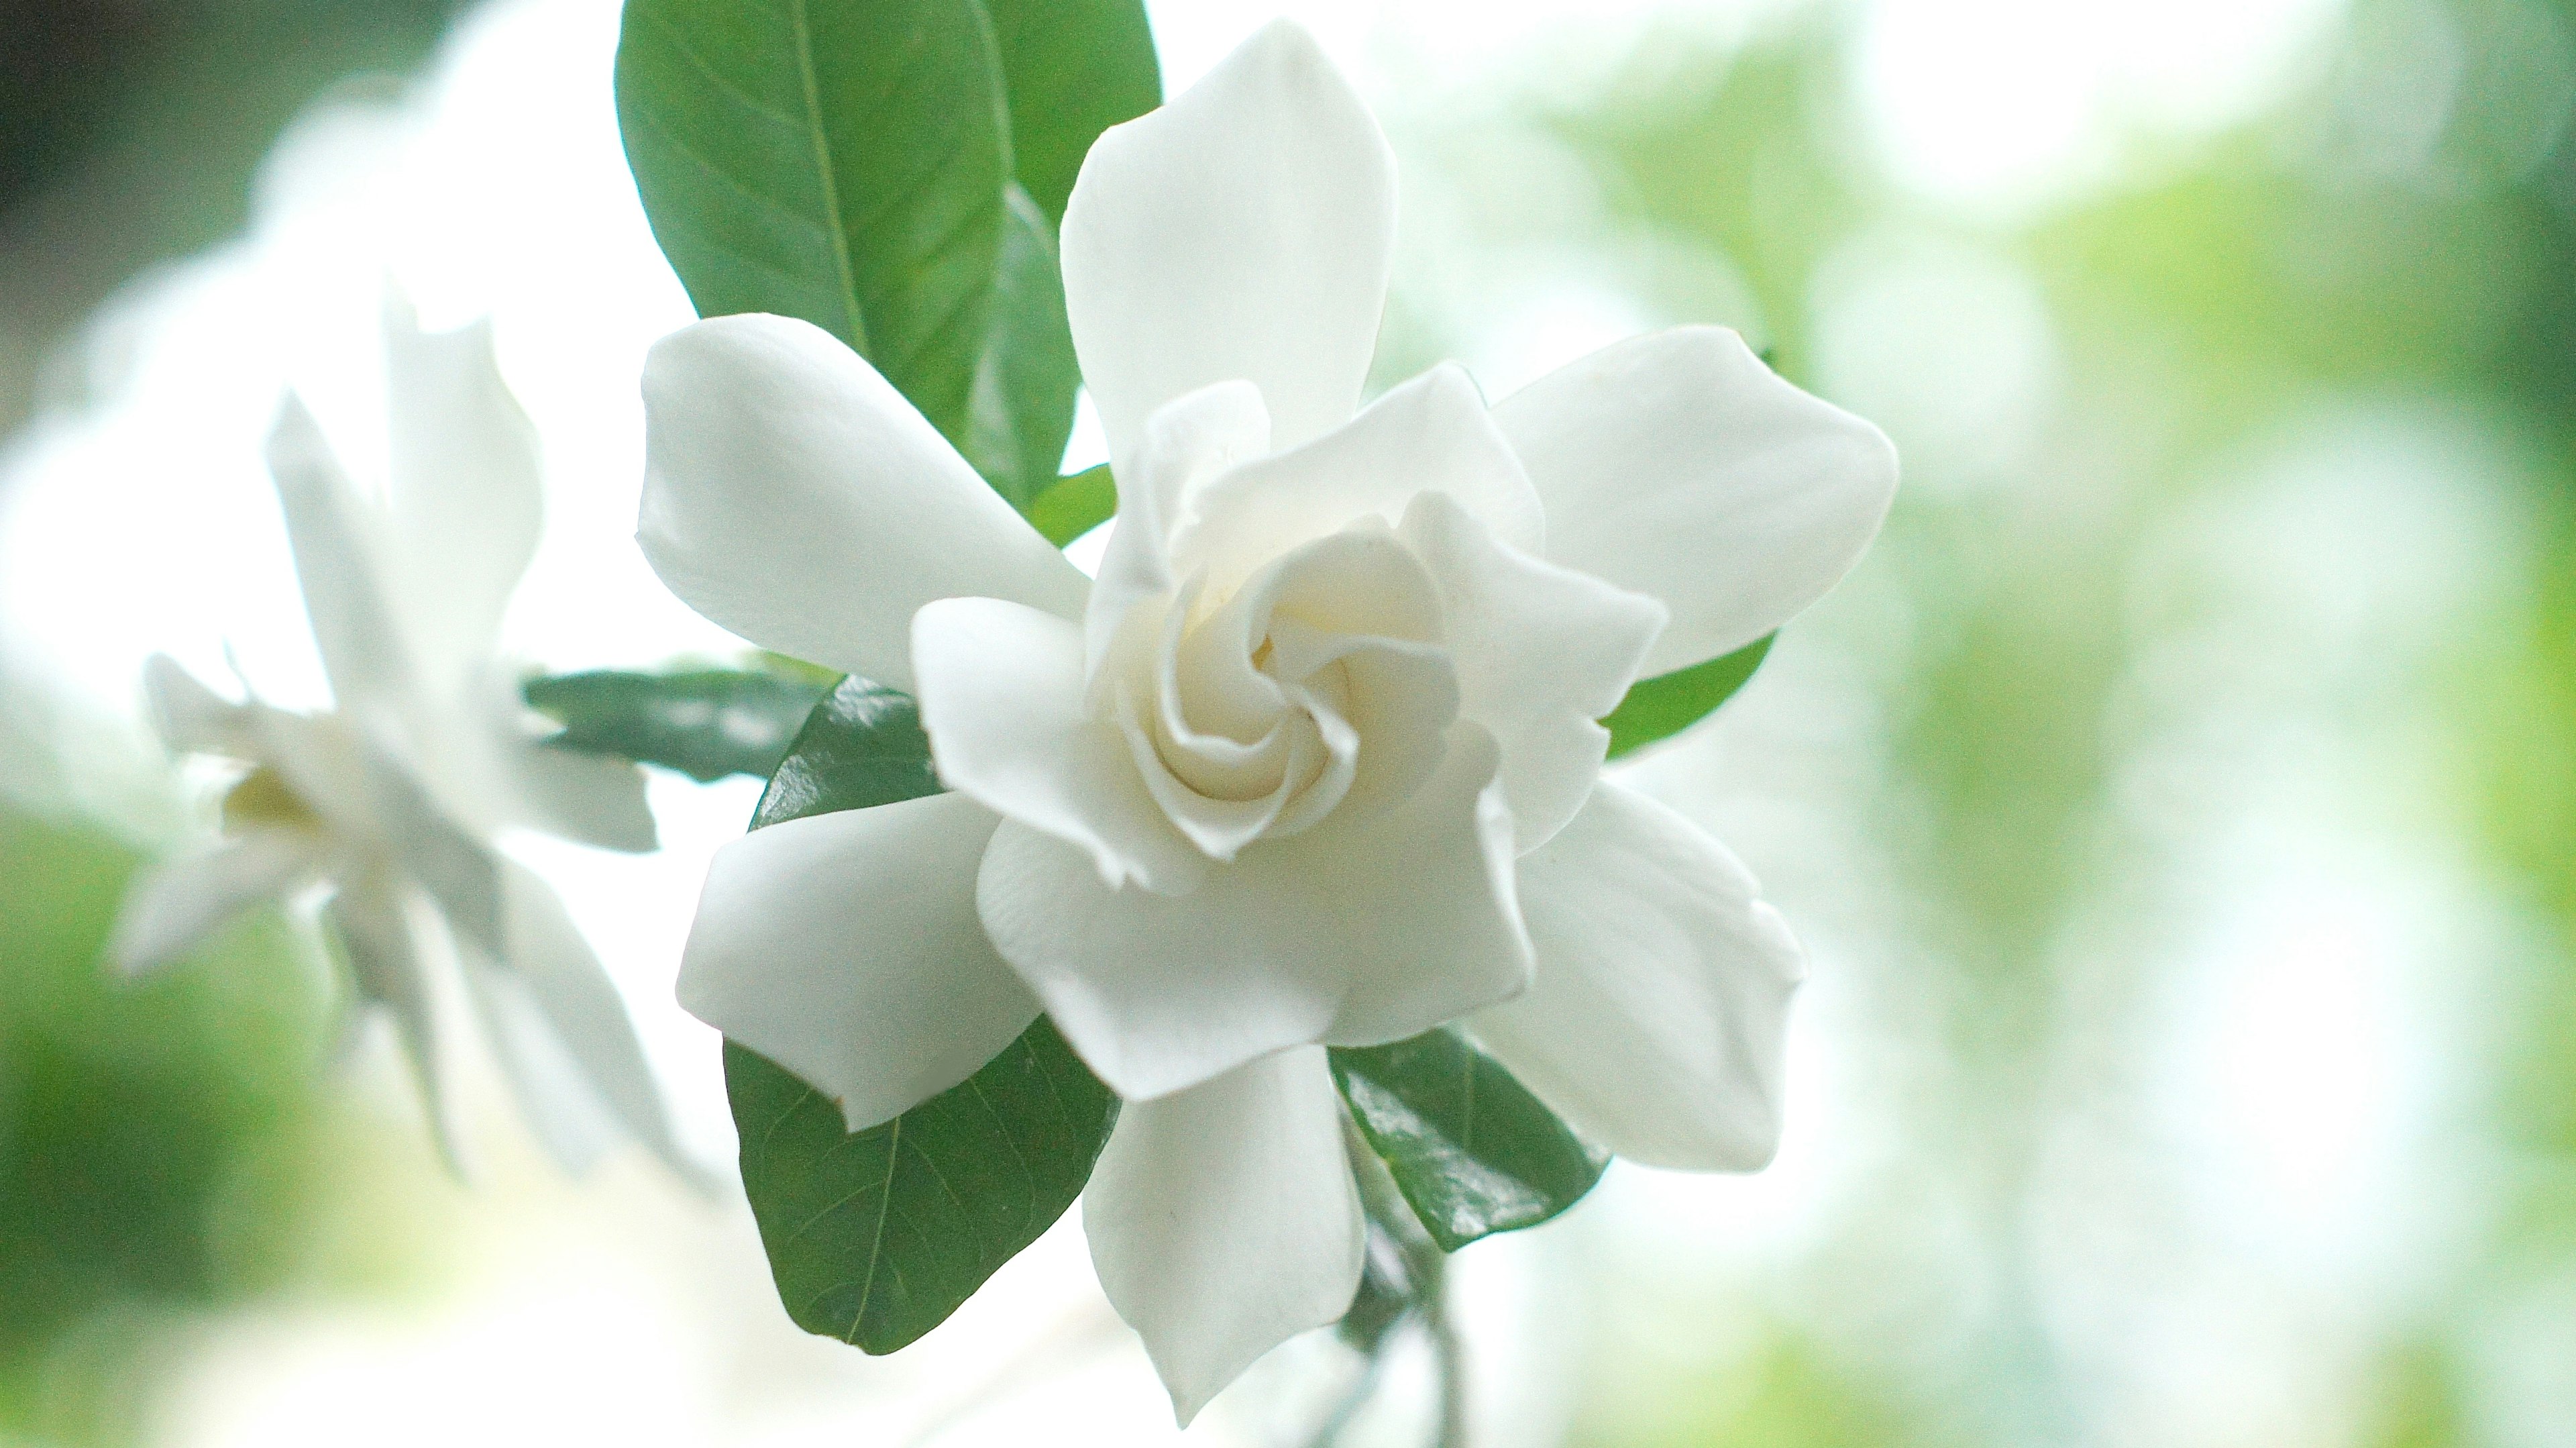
(1470, 1148)
(1073, 68)
(875, 1237)
(1024, 387)
(836, 160)
(705, 723)
(1667, 704)
(1075, 505)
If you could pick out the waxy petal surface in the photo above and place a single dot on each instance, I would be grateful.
(793, 496)
(845, 947)
(1678, 466)
(1223, 1220)
(1659, 1011)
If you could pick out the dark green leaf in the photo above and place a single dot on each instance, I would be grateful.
(1024, 387)
(861, 746)
(836, 160)
(1075, 505)
(875, 1237)
(705, 723)
(1471, 1149)
(1667, 704)
(1073, 68)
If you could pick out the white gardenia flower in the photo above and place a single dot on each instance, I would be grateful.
(391, 799)
(1313, 762)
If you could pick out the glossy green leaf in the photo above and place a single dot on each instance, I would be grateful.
(1470, 1148)
(705, 723)
(1073, 68)
(1075, 505)
(836, 160)
(875, 1237)
(1667, 704)
(861, 746)
(1024, 387)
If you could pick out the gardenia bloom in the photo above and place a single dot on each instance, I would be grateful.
(1313, 762)
(392, 798)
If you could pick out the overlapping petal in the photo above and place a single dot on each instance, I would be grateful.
(1659, 1010)
(1678, 466)
(1244, 230)
(1541, 653)
(793, 496)
(1223, 1220)
(1433, 434)
(1004, 703)
(339, 559)
(845, 947)
(1354, 932)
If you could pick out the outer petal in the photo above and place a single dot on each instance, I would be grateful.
(190, 717)
(1660, 1008)
(1244, 230)
(1678, 466)
(1004, 704)
(370, 917)
(1224, 1221)
(845, 947)
(467, 499)
(793, 496)
(595, 800)
(1351, 933)
(1430, 435)
(1541, 653)
(339, 561)
(172, 908)
(572, 1050)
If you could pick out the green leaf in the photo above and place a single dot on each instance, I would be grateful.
(705, 723)
(836, 160)
(1470, 1148)
(1075, 505)
(1073, 68)
(861, 746)
(1667, 704)
(1024, 387)
(876, 1237)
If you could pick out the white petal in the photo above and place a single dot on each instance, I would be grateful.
(1660, 1009)
(1541, 652)
(587, 1020)
(1187, 441)
(1677, 465)
(1430, 435)
(1352, 932)
(793, 496)
(370, 916)
(1004, 703)
(190, 717)
(583, 797)
(339, 561)
(1224, 1221)
(845, 947)
(467, 499)
(173, 907)
(1243, 231)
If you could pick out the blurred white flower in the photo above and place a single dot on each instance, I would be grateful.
(392, 799)
(1313, 762)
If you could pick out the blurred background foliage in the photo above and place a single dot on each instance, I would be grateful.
(2194, 758)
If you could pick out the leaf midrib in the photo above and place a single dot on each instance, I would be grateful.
(804, 44)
